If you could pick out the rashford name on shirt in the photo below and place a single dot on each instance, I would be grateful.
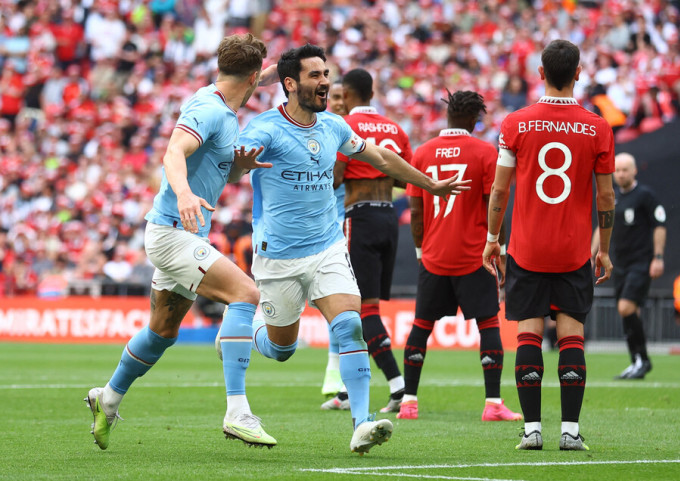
(553, 126)
(377, 127)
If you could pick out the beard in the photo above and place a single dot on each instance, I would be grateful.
(308, 99)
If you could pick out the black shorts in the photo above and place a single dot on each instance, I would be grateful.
(531, 294)
(632, 282)
(438, 296)
(372, 231)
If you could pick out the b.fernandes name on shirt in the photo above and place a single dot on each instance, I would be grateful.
(552, 126)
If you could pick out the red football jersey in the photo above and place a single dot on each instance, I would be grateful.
(556, 145)
(368, 124)
(454, 230)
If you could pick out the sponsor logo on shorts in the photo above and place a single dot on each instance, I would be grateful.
(201, 253)
(268, 309)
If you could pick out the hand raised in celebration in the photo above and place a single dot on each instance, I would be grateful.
(450, 186)
(248, 160)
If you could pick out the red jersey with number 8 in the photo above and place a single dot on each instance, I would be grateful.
(454, 229)
(556, 146)
(368, 124)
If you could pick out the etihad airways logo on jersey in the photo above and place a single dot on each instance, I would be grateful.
(551, 126)
(307, 176)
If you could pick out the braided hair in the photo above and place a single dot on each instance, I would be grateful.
(463, 105)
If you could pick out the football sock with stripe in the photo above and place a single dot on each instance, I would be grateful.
(236, 338)
(414, 354)
(529, 374)
(491, 355)
(140, 354)
(267, 348)
(572, 373)
(355, 368)
(378, 341)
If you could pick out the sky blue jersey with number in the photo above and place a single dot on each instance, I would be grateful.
(213, 123)
(294, 208)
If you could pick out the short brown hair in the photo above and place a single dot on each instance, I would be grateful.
(240, 55)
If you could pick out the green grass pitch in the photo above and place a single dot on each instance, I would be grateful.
(173, 416)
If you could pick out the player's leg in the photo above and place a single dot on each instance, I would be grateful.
(478, 294)
(335, 293)
(572, 374)
(227, 283)
(181, 259)
(632, 296)
(434, 300)
(527, 297)
(572, 298)
(332, 382)
(372, 235)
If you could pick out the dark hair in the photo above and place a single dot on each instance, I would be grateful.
(240, 55)
(463, 105)
(290, 65)
(360, 81)
(560, 60)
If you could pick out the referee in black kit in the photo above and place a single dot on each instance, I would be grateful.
(638, 243)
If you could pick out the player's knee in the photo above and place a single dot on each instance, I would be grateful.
(350, 330)
(251, 295)
(283, 353)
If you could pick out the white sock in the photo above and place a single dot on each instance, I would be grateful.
(333, 361)
(571, 428)
(396, 384)
(494, 400)
(110, 400)
(237, 404)
(531, 427)
(409, 398)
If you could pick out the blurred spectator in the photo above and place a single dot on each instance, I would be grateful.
(90, 92)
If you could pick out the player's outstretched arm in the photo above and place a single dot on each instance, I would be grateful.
(498, 202)
(245, 162)
(391, 164)
(181, 146)
(269, 76)
(605, 220)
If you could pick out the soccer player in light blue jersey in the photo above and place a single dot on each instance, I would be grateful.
(202, 155)
(299, 248)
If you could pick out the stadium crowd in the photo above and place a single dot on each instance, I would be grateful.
(90, 92)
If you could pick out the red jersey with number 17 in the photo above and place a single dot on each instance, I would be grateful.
(454, 230)
(555, 146)
(368, 124)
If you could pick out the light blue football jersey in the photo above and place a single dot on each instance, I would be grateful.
(294, 207)
(340, 202)
(211, 121)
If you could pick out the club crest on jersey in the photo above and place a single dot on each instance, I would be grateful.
(201, 253)
(629, 216)
(313, 146)
(268, 309)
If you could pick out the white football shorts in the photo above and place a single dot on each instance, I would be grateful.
(180, 257)
(285, 284)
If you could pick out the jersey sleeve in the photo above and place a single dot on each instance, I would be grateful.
(604, 162)
(200, 120)
(351, 143)
(413, 190)
(506, 147)
(489, 162)
(256, 135)
(656, 210)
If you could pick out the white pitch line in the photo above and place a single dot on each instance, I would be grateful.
(363, 471)
(594, 385)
